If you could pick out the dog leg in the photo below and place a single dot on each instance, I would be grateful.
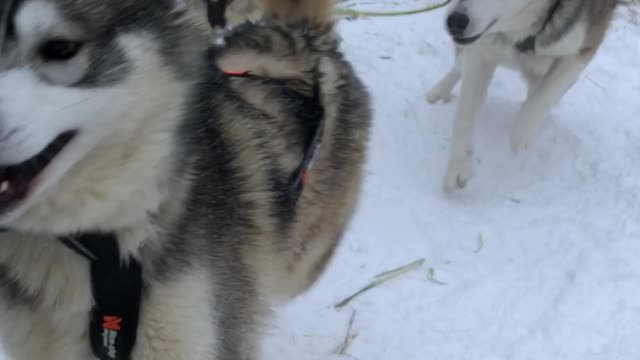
(442, 90)
(533, 81)
(560, 77)
(477, 75)
(177, 320)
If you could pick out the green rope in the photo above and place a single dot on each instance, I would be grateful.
(357, 13)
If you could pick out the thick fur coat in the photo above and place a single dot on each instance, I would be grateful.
(188, 167)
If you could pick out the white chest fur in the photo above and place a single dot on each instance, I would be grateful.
(496, 49)
(45, 310)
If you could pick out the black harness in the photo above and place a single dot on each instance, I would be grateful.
(216, 10)
(529, 43)
(117, 282)
(116, 286)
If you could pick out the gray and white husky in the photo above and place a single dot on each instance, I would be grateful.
(550, 42)
(227, 175)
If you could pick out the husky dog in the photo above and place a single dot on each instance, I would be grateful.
(221, 179)
(549, 42)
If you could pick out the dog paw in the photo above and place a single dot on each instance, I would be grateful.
(458, 175)
(519, 141)
(437, 94)
(529, 124)
(523, 134)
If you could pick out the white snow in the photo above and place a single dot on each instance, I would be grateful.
(558, 273)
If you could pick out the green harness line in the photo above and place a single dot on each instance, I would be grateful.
(357, 13)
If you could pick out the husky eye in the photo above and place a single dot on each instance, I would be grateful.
(60, 50)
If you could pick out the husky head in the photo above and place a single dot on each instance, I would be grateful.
(90, 93)
(468, 20)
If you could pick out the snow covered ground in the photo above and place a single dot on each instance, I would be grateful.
(538, 259)
(556, 274)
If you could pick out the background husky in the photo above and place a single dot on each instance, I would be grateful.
(549, 42)
(115, 119)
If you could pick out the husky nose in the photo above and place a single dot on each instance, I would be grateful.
(457, 23)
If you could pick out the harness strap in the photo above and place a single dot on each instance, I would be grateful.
(117, 292)
(300, 178)
(529, 43)
(216, 10)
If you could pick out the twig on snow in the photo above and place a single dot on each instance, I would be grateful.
(349, 337)
(480, 244)
(432, 277)
(381, 279)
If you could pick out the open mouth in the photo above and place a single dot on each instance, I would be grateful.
(17, 180)
(466, 41)
(472, 39)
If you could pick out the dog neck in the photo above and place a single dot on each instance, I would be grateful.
(529, 43)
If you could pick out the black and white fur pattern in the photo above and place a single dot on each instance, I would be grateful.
(187, 167)
(564, 35)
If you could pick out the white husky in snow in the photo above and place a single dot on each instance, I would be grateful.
(549, 42)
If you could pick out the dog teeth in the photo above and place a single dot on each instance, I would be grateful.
(4, 186)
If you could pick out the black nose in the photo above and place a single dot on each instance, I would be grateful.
(457, 23)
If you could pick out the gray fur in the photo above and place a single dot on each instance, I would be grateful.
(565, 14)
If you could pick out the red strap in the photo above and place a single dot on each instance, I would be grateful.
(236, 73)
